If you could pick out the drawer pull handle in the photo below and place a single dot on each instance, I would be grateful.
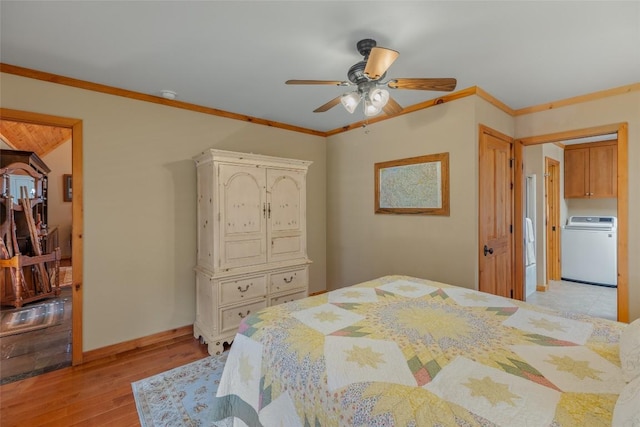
(288, 281)
(242, 317)
(245, 289)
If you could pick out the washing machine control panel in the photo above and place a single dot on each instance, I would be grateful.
(608, 223)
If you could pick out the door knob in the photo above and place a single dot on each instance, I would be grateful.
(487, 250)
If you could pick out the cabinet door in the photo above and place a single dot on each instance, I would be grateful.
(576, 173)
(286, 229)
(603, 180)
(242, 204)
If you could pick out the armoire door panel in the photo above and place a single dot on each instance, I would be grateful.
(242, 215)
(243, 252)
(285, 245)
(286, 199)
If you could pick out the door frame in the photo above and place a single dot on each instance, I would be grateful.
(552, 219)
(76, 210)
(622, 207)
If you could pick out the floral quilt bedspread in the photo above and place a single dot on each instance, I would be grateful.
(403, 351)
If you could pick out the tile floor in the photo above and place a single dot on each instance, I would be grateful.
(597, 301)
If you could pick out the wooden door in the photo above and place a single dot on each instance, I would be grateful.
(285, 214)
(243, 211)
(576, 173)
(603, 171)
(495, 214)
(552, 217)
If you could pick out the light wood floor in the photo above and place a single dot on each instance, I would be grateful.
(97, 393)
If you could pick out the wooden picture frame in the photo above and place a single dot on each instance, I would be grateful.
(416, 185)
(67, 192)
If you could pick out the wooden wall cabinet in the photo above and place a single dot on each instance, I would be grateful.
(590, 170)
(251, 239)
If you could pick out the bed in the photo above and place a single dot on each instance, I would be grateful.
(403, 351)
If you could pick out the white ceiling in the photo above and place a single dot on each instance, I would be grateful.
(236, 55)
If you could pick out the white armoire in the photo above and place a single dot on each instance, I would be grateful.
(252, 239)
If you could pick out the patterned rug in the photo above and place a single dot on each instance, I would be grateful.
(32, 318)
(66, 278)
(181, 396)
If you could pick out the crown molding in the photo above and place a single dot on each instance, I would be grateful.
(473, 90)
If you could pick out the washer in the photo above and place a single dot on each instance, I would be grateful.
(589, 250)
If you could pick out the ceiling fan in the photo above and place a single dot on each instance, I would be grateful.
(367, 79)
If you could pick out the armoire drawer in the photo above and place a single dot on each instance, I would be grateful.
(243, 289)
(230, 317)
(283, 281)
(287, 298)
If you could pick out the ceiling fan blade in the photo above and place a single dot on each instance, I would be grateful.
(329, 105)
(392, 107)
(315, 82)
(445, 84)
(380, 59)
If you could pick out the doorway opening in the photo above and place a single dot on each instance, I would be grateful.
(621, 203)
(74, 290)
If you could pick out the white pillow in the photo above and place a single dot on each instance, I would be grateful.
(626, 413)
(630, 351)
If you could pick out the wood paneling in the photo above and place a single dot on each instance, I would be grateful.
(40, 139)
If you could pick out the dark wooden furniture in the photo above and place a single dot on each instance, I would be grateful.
(29, 256)
(8, 157)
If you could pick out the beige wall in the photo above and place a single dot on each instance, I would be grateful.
(140, 196)
(362, 245)
(59, 211)
(140, 201)
(615, 109)
(601, 207)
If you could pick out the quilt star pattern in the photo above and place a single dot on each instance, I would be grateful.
(404, 351)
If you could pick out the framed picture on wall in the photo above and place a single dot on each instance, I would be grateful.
(416, 185)
(67, 193)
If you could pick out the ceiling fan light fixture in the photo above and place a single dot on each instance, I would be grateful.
(350, 101)
(367, 78)
(379, 97)
(370, 109)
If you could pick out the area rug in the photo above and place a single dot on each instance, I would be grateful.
(26, 319)
(181, 396)
(66, 278)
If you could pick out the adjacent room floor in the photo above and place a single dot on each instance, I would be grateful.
(597, 301)
(35, 352)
